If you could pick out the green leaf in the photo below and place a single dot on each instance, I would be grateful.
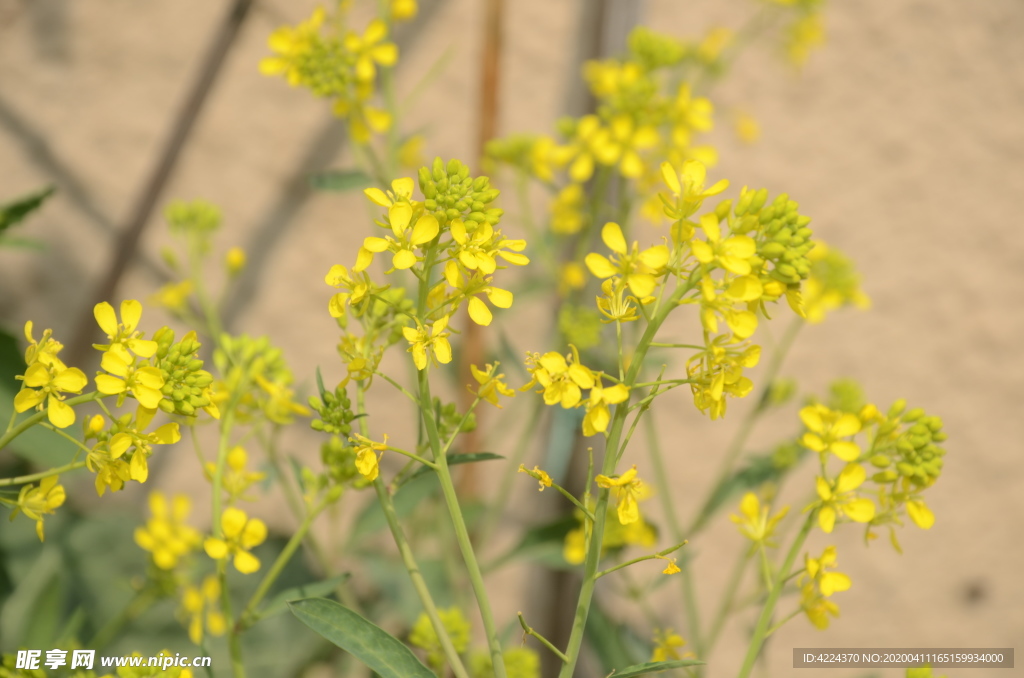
(316, 589)
(759, 470)
(654, 667)
(456, 458)
(22, 243)
(339, 181)
(15, 211)
(375, 647)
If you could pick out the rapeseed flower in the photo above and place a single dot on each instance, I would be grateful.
(36, 501)
(826, 428)
(123, 335)
(638, 269)
(431, 343)
(44, 382)
(755, 521)
(838, 497)
(627, 487)
(166, 535)
(201, 604)
(240, 534)
(367, 459)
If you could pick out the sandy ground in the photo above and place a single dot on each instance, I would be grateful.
(902, 138)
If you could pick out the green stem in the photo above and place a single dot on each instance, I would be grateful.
(612, 453)
(764, 621)
(653, 556)
(249, 615)
(739, 441)
(665, 496)
(418, 582)
(725, 607)
(31, 478)
(528, 630)
(16, 431)
(461, 532)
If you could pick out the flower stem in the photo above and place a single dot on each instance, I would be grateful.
(528, 630)
(25, 425)
(418, 582)
(21, 480)
(763, 622)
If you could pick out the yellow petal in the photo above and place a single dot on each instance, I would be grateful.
(920, 514)
(641, 284)
(138, 468)
(246, 563)
(655, 257)
(479, 312)
(848, 425)
(37, 375)
(811, 417)
(131, 314)
(105, 318)
(215, 548)
(403, 260)
(845, 450)
(827, 519)
(254, 534)
(233, 522)
(400, 215)
(600, 266)
(425, 230)
(378, 196)
(499, 297)
(612, 236)
(114, 363)
(27, 399)
(832, 582)
(60, 413)
(671, 178)
(443, 350)
(860, 510)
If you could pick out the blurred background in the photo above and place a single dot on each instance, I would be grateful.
(902, 137)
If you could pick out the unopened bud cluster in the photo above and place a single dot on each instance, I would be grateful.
(451, 193)
(186, 383)
(335, 410)
(783, 235)
(914, 454)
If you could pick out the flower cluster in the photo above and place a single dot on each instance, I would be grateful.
(46, 379)
(562, 380)
(336, 63)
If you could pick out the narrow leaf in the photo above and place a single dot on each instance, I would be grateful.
(373, 646)
(654, 667)
(316, 589)
(456, 458)
(13, 212)
(340, 181)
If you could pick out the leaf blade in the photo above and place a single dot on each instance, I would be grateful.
(366, 641)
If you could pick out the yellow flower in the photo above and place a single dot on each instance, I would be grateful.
(833, 284)
(478, 249)
(405, 241)
(920, 513)
(130, 436)
(371, 49)
(537, 474)
(802, 37)
(839, 497)
(623, 141)
(366, 455)
(166, 535)
(637, 268)
(627, 487)
(173, 296)
(424, 636)
(236, 479)
(45, 350)
(491, 385)
(140, 379)
(717, 372)
(671, 568)
(755, 521)
(826, 428)
(747, 128)
(818, 585)
(433, 343)
(292, 45)
(241, 534)
(401, 192)
(732, 254)
(122, 335)
(688, 188)
(589, 141)
(279, 406)
(560, 381)
(598, 415)
(36, 501)
(45, 380)
(666, 646)
(403, 10)
(567, 210)
(357, 288)
(234, 260)
(195, 601)
(827, 582)
(471, 286)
